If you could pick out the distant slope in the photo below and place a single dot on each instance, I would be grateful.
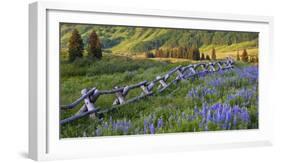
(132, 40)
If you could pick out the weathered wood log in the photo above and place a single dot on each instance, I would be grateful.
(82, 110)
(75, 103)
(220, 67)
(150, 86)
(166, 76)
(90, 106)
(78, 116)
(121, 88)
(161, 81)
(192, 70)
(95, 96)
(126, 90)
(120, 99)
(145, 90)
(180, 74)
(211, 67)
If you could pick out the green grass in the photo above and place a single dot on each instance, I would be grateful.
(121, 71)
(232, 47)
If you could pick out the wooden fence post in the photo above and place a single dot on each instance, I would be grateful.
(162, 82)
(88, 103)
(120, 98)
(145, 90)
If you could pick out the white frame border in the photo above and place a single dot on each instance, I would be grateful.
(38, 129)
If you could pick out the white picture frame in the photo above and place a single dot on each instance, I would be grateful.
(44, 141)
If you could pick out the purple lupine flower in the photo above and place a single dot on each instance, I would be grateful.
(234, 120)
(209, 118)
(218, 116)
(145, 126)
(250, 73)
(245, 116)
(216, 82)
(235, 109)
(160, 123)
(204, 109)
(196, 111)
(152, 129)
(228, 116)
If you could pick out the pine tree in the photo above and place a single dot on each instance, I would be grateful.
(180, 52)
(237, 56)
(208, 57)
(160, 53)
(190, 53)
(186, 51)
(94, 46)
(157, 53)
(244, 56)
(202, 56)
(75, 46)
(149, 55)
(197, 54)
(214, 57)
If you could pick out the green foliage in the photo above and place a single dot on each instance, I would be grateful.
(75, 46)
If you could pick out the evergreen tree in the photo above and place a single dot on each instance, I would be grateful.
(75, 46)
(180, 52)
(160, 53)
(202, 56)
(157, 51)
(208, 57)
(244, 56)
(149, 55)
(190, 53)
(196, 54)
(214, 57)
(237, 56)
(186, 52)
(94, 46)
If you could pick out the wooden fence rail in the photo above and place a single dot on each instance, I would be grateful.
(183, 73)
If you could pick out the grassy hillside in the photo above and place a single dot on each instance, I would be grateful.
(134, 40)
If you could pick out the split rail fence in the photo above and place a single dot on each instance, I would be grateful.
(90, 97)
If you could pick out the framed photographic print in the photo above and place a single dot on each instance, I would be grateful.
(108, 81)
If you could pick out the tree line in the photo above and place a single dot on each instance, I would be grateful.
(245, 57)
(76, 46)
(192, 53)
